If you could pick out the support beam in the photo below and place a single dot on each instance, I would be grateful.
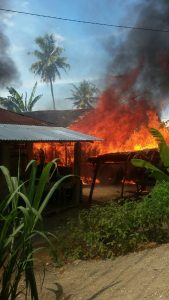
(77, 158)
(77, 171)
(96, 168)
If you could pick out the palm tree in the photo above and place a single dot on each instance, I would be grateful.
(50, 61)
(17, 102)
(84, 95)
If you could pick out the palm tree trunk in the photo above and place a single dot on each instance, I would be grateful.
(51, 87)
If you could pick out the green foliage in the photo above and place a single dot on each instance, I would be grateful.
(157, 173)
(49, 60)
(163, 147)
(84, 95)
(17, 102)
(20, 213)
(110, 230)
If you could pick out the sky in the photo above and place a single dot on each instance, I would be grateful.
(88, 48)
(85, 46)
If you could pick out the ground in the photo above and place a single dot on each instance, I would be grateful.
(142, 275)
(137, 276)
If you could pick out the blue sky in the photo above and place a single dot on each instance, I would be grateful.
(85, 45)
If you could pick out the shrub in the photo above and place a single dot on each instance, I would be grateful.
(110, 230)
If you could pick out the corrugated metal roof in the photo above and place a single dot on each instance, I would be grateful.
(9, 132)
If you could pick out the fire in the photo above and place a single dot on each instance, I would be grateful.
(123, 121)
(45, 152)
(87, 180)
(121, 118)
(131, 182)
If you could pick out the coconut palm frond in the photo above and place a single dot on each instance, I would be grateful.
(84, 95)
(50, 60)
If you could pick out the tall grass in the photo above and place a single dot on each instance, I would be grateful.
(20, 213)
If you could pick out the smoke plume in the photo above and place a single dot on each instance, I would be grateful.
(147, 50)
(8, 70)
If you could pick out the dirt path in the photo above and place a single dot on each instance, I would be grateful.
(138, 276)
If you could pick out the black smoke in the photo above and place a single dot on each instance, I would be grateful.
(147, 49)
(8, 70)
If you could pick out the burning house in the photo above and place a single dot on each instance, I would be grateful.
(33, 139)
(136, 92)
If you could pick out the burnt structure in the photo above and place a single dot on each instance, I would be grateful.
(130, 172)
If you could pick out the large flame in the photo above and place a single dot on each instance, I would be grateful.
(123, 120)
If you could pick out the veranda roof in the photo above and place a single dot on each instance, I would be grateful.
(31, 133)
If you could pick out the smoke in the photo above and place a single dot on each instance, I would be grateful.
(147, 50)
(8, 70)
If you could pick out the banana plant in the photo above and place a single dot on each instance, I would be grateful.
(157, 173)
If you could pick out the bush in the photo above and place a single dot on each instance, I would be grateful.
(110, 230)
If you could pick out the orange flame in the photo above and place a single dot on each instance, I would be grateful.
(123, 123)
(45, 152)
(121, 118)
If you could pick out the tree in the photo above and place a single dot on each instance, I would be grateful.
(84, 95)
(17, 102)
(50, 61)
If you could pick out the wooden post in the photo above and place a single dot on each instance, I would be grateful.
(96, 168)
(65, 154)
(77, 158)
(77, 161)
(29, 147)
(122, 187)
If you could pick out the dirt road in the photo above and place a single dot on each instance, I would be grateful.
(138, 276)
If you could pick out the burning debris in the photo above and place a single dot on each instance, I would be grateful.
(122, 170)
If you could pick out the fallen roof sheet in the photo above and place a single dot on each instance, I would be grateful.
(9, 132)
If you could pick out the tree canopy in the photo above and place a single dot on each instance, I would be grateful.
(84, 95)
(49, 61)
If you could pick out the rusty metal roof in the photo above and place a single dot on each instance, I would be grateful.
(61, 118)
(12, 132)
(10, 117)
